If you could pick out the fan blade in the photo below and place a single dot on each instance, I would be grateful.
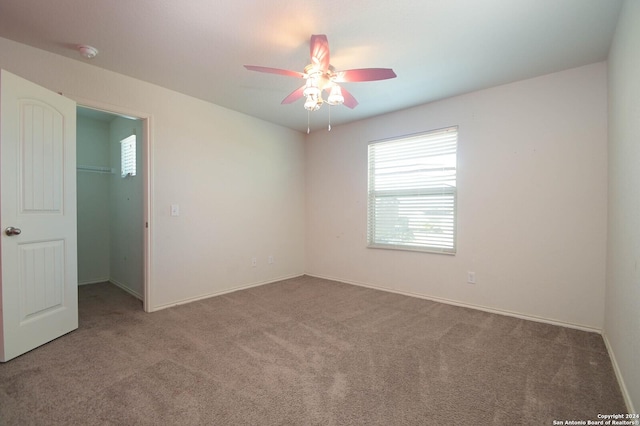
(320, 51)
(364, 74)
(275, 71)
(294, 96)
(349, 100)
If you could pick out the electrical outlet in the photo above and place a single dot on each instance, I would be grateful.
(254, 262)
(471, 277)
(270, 260)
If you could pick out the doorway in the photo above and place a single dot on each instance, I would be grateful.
(111, 200)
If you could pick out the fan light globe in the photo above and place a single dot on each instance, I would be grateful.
(312, 103)
(335, 97)
(309, 104)
(312, 88)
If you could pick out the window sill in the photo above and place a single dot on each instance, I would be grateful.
(409, 248)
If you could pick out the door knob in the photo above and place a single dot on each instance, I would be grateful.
(10, 231)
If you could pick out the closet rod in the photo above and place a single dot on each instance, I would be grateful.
(95, 169)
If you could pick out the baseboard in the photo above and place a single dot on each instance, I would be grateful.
(94, 281)
(623, 387)
(466, 305)
(220, 293)
(127, 289)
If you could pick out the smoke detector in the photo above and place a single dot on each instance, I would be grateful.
(88, 52)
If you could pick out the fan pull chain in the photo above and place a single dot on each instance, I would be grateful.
(307, 121)
(329, 118)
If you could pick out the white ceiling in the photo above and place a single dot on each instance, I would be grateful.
(438, 48)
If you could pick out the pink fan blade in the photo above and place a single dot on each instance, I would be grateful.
(275, 71)
(294, 96)
(320, 51)
(349, 100)
(364, 74)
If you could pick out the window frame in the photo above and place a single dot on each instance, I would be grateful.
(372, 196)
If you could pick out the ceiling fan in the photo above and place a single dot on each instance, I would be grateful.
(321, 75)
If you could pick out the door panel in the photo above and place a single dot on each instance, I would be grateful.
(41, 281)
(39, 285)
(41, 160)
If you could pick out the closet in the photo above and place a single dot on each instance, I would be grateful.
(110, 202)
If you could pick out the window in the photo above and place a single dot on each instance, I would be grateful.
(412, 192)
(128, 156)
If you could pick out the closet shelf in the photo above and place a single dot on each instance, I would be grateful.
(95, 169)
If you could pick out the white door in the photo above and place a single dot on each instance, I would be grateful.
(39, 285)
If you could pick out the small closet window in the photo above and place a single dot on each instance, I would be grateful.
(128, 156)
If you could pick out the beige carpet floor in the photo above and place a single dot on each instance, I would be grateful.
(306, 351)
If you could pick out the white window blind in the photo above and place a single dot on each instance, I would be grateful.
(412, 192)
(128, 156)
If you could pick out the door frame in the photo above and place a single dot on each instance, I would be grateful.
(147, 166)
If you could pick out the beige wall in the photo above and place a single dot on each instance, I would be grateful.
(622, 314)
(239, 180)
(531, 200)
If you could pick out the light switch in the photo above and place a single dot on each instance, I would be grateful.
(175, 210)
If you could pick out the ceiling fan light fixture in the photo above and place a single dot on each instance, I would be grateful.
(335, 96)
(320, 75)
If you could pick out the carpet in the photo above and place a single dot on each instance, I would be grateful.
(306, 351)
